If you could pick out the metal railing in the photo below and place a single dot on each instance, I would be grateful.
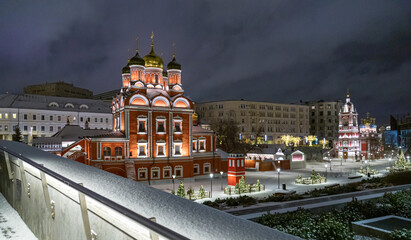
(156, 230)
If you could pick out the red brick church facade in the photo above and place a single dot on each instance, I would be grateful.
(154, 136)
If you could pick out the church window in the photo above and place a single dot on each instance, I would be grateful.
(118, 151)
(206, 168)
(178, 148)
(155, 173)
(202, 145)
(167, 172)
(178, 126)
(142, 125)
(194, 145)
(196, 169)
(142, 173)
(178, 171)
(106, 151)
(161, 126)
(161, 149)
(156, 78)
(142, 148)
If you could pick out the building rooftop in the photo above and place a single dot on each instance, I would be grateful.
(30, 101)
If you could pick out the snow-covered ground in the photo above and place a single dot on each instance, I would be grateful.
(338, 174)
(12, 227)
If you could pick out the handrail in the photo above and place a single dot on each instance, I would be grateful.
(159, 229)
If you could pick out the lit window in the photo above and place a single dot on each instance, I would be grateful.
(6, 115)
(202, 145)
(118, 151)
(194, 145)
(1, 115)
(106, 151)
(142, 125)
(161, 126)
(142, 149)
(178, 171)
(178, 148)
(161, 146)
(14, 116)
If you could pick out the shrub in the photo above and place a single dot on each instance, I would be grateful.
(246, 200)
(211, 204)
(402, 234)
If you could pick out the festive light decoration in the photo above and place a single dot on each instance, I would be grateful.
(323, 142)
(311, 138)
(286, 139)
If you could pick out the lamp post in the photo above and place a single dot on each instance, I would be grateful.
(278, 170)
(221, 173)
(389, 160)
(325, 172)
(366, 170)
(211, 191)
(174, 190)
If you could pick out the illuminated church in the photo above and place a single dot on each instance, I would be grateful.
(348, 143)
(155, 136)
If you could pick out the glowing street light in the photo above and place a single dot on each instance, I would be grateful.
(174, 177)
(325, 165)
(278, 170)
(221, 173)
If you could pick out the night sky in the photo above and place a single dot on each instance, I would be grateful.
(280, 51)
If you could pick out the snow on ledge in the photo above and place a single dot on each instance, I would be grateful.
(190, 219)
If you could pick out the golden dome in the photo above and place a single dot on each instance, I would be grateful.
(152, 60)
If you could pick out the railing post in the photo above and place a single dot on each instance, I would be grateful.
(7, 158)
(153, 235)
(84, 215)
(49, 204)
(26, 186)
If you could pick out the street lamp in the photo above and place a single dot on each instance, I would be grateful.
(221, 173)
(278, 170)
(174, 190)
(389, 160)
(211, 192)
(326, 172)
(366, 169)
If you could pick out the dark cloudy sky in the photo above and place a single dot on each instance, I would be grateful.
(280, 51)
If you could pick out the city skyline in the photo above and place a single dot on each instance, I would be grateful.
(274, 51)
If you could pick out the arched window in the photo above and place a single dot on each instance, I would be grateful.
(69, 105)
(118, 151)
(106, 151)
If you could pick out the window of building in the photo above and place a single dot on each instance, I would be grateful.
(34, 128)
(161, 126)
(25, 116)
(178, 148)
(142, 125)
(142, 173)
(206, 168)
(51, 118)
(196, 169)
(51, 128)
(81, 119)
(106, 151)
(95, 120)
(43, 128)
(178, 171)
(142, 149)
(178, 126)
(34, 117)
(202, 145)
(59, 118)
(155, 173)
(161, 146)
(88, 120)
(118, 151)
(167, 172)
(106, 120)
(194, 145)
(1, 115)
(101, 120)
(59, 129)
(43, 117)
(25, 128)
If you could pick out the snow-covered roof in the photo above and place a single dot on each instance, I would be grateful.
(74, 132)
(31, 101)
(222, 154)
(190, 219)
(198, 129)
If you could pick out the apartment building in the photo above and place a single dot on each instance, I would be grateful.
(43, 116)
(324, 119)
(264, 121)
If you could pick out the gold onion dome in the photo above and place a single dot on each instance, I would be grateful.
(126, 69)
(136, 60)
(152, 60)
(174, 64)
